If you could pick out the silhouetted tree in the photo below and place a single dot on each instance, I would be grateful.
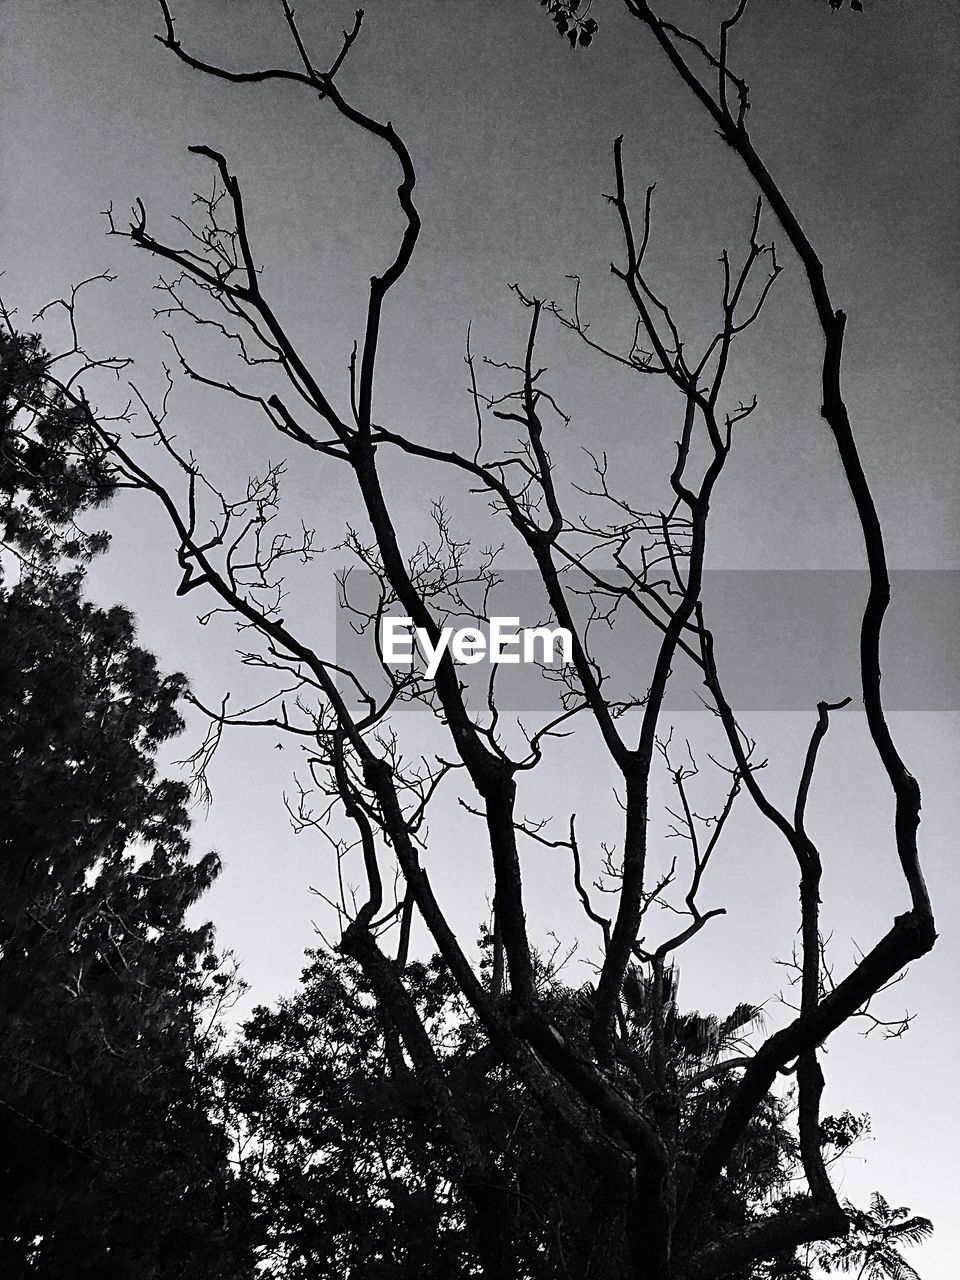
(110, 1165)
(872, 1250)
(662, 1199)
(351, 1173)
(53, 466)
(576, 20)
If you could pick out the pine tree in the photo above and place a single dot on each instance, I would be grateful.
(110, 1165)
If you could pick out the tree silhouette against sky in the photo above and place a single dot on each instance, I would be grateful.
(596, 549)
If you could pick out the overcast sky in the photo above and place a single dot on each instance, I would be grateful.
(511, 134)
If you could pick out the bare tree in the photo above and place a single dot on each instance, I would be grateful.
(595, 552)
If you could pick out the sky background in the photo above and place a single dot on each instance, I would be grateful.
(511, 134)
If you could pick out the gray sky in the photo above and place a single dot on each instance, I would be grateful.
(511, 134)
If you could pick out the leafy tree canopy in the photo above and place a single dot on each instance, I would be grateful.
(109, 1163)
(350, 1172)
(52, 466)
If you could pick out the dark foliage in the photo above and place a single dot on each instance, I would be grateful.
(599, 1132)
(52, 466)
(350, 1171)
(573, 21)
(109, 1165)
